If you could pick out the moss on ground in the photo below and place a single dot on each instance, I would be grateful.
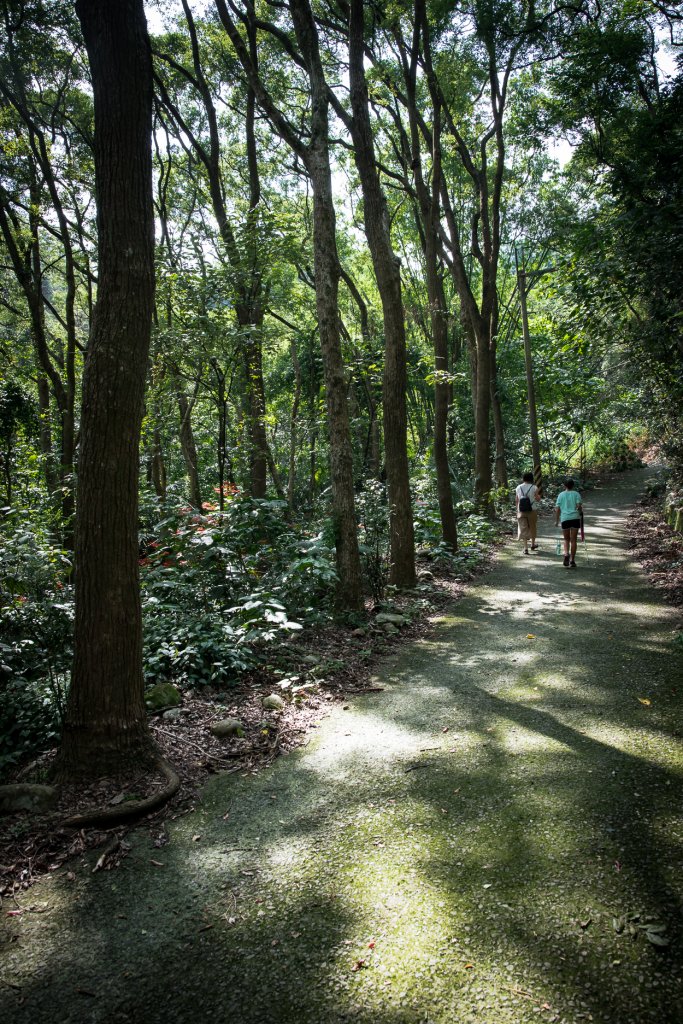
(495, 837)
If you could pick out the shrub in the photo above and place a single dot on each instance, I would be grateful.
(219, 587)
(36, 624)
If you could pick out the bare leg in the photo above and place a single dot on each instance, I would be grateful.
(574, 537)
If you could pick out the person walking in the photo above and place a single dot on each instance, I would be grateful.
(568, 514)
(526, 497)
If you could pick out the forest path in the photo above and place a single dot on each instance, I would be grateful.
(483, 841)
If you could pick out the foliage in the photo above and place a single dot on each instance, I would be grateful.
(218, 588)
(373, 511)
(36, 615)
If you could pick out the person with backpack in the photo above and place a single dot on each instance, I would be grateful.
(568, 515)
(526, 497)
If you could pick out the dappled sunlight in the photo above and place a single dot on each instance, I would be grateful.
(453, 849)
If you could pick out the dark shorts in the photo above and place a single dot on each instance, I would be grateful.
(571, 524)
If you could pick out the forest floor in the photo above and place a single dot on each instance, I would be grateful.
(492, 833)
(330, 664)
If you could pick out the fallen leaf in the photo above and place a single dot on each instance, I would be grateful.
(530, 636)
(469, 967)
(371, 944)
(156, 863)
(195, 839)
(359, 965)
(487, 885)
(645, 700)
(445, 728)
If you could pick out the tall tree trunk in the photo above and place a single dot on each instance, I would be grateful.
(315, 155)
(482, 430)
(293, 424)
(501, 469)
(256, 410)
(105, 728)
(158, 466)
(388, 276)
(245, 263)
(188, 447)
(430, 217)
(46, 432)
(327, 276)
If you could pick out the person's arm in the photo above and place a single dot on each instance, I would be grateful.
(557, 514)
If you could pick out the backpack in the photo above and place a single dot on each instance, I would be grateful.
(525, 501)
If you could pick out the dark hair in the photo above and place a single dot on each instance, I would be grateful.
(528, 478)
(569, 484)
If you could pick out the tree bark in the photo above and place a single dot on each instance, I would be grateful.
(105, 728)
(430, 216)
(293, 424)
(501, 468)
(246, 266)
(316, 158)
(158, 466)
(388, 276)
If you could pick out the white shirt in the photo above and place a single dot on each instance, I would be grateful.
(527, 490)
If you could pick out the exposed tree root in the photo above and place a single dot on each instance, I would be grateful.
(110, 816)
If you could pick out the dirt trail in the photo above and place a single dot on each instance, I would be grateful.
(496, 837)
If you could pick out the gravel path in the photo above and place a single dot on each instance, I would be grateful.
(495, 837)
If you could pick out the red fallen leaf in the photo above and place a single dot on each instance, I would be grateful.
(14, 913)
(371, 944)
(359, 965)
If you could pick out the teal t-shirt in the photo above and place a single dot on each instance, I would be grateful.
(568, 502)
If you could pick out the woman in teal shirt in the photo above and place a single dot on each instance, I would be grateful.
(568, 509)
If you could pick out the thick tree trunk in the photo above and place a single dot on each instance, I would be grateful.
(105, 728)
(388, 275)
